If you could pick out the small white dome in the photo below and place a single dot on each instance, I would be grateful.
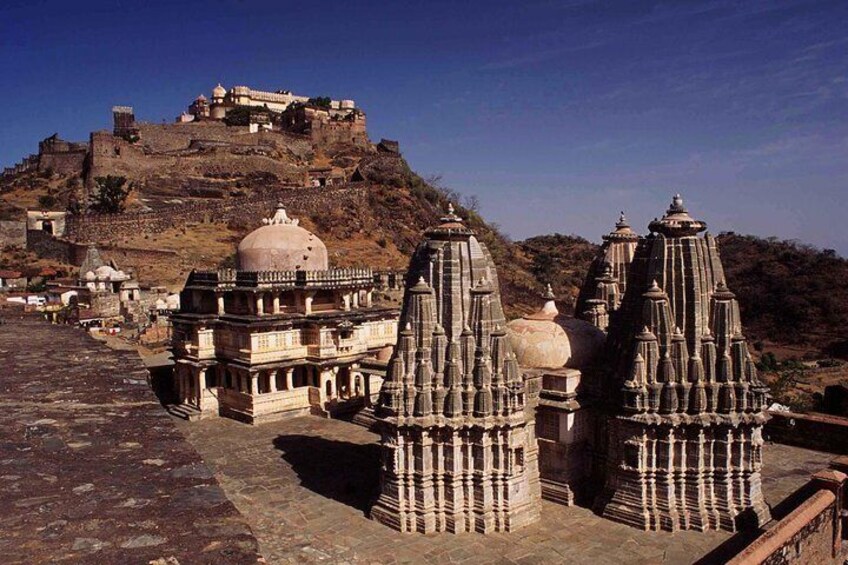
(104, 272)
(546, 340)
(282, 245)
(219, 91)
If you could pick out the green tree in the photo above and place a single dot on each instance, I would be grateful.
(320, 101)
(46, 201)
(111, 194)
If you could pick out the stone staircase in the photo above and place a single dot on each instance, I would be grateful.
(184, 411)
(365, 418)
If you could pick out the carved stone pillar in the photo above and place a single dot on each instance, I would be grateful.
(201, 386)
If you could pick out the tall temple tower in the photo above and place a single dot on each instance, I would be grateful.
(685, 436)
(458, 452)
(606, 280)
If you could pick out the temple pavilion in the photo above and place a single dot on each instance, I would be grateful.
(283, 335)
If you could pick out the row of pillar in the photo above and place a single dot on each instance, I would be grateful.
(303, 302)
(191, 382)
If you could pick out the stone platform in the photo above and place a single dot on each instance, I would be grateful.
(92, 469)
(305, 486)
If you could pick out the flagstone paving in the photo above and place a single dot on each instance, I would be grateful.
(305, 486)
(92, 469)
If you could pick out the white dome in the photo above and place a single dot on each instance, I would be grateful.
(539, 344)
(282, 245)
(545, 340)
(219, 91)
(90, 276)
(104, 272)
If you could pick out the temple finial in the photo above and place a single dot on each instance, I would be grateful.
(280, 217)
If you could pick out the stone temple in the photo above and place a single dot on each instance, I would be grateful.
(556, 354)
(458, 452)
(685, 429)
(284, 335)
(607, 278)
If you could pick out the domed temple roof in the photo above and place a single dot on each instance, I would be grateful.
(545, 340)
(282, 245)
(219, 91)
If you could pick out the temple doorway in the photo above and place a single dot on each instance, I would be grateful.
(343, 383)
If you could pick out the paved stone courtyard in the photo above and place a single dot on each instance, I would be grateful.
(92, 470)
(305, 486)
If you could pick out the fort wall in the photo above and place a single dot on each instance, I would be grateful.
(69, 163)
(102, 228)
(73, 253)
(165, 155)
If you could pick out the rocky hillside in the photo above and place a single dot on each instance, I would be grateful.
(790, 294)
(793, 298)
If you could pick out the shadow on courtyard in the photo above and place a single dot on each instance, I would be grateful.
(340, 470)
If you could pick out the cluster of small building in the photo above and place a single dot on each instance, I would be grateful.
(280, 110)
(648, 400)
(102, 294)
(224, 101)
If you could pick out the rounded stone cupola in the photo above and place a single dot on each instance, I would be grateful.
(282, 245)
(546, 340)
(219, 92)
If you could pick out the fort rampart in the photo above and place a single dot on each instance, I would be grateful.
(73, 253)
(102, 228)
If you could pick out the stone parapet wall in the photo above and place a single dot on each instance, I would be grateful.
(99, 228)
(58, 249)
(65, 163)
(28, 163)
(813, 431)
(812, 533)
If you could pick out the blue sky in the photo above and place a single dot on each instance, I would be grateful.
(557, 114)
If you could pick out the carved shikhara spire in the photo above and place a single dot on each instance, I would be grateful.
(685, 442)
(606, 280)
(453, 388)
